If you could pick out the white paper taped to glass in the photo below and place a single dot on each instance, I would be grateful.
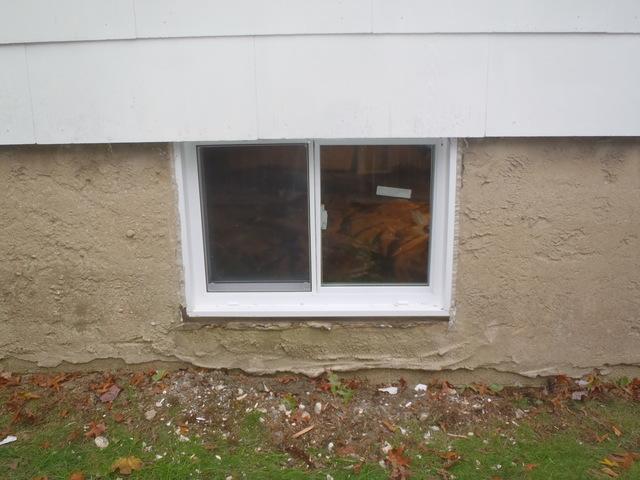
(393, 192)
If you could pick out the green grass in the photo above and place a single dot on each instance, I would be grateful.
(555, 446)
(197, 458)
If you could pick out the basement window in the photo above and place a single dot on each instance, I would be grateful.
(319, 228)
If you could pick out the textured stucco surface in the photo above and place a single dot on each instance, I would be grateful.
(547, 268)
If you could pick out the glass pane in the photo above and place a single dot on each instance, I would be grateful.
(376, 214)
(255, 204)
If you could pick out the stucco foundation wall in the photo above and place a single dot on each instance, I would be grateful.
(547, 268)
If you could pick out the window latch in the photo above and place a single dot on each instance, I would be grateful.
(324, 217)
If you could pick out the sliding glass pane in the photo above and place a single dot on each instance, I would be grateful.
(376, 212)
(256, 217)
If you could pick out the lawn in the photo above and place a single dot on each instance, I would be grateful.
(209, 424)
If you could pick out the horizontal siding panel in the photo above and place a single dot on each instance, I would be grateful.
(506, 16)
(371, 86)
(16, 122)
(140, 91)
(184, 18)
(564, 85)
(28, 21)
(243, 88)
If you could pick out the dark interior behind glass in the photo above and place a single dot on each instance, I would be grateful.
(255, 208)
(377, 214)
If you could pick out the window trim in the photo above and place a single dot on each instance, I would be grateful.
(433, 300)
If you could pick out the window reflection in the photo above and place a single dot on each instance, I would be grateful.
(376, 214)
(255, 203)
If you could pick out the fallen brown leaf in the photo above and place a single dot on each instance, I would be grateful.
(300, 416)
(95, 429)
(402, 383)
(624, 460)
(137, 378)
(399, 464)
(77, 476)
(47, 381)
(450, 457)
(8, 380)
(616, 430)
(609, 472)
(479, 388)
(126, 465)
(118, 417)
(104, 386)
(530, 466)
(389, 426)
(447, 388)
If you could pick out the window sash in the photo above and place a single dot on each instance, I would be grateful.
(323, 202)
(250, 283)
(321, 300)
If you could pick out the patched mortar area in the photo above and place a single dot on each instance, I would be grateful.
(547, 268)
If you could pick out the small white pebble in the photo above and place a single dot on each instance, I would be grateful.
(101, 442)
(389, 390)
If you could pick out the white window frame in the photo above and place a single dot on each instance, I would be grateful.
(432, 300)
